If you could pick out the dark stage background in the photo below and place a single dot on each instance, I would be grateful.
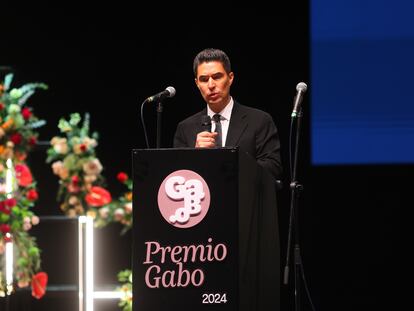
(107, 59)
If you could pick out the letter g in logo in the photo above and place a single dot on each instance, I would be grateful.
(183, 198)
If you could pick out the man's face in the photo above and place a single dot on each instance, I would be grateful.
(214, 84)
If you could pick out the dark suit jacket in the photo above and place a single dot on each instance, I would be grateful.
(252, 130)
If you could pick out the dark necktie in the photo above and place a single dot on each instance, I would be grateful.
(216, 119)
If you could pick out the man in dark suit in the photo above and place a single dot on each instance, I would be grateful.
(252, 130)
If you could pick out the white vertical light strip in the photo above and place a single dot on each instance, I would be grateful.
(81, 222)
(86, 268)
(89, 254)
(9, 263)
(10, 187)
(108, 295)
(9, 178)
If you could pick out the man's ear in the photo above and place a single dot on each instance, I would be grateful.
(231, 76)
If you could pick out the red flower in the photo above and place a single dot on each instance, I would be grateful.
(10, 202)
(39, 283)
(4, 228)
(4, 208)
(122, 177)
(32, 195)
(32, 140)
(16, 138)
(23, 175)
(1, 106)
(98, 197)
(26, 113)
(75, 179)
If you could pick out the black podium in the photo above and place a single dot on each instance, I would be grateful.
(205, 233)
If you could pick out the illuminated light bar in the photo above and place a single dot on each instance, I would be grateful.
(9, 263)
(10, 178)
(86, 277)
(108, 295)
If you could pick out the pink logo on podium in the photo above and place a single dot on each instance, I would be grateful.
(183, 198)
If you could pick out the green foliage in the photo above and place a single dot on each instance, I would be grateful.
(125, 277)
(18, 124)
(74, 161)
(18, 192)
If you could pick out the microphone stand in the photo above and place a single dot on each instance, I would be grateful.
(159, 114)
(295, 189)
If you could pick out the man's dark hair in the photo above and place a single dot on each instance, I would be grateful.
(210, 55)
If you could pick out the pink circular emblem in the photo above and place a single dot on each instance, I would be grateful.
(183, 198)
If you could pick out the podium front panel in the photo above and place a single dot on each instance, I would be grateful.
(185, 232)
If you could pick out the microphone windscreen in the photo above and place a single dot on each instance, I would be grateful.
(301, 86)
(171, 91)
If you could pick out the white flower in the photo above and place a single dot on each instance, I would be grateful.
(89, 178)
(104, 212)
(93, 167)
(56, 167)
(35, 220)
(60, 170)
(128, 208)
(73, 200)
(90, 142)
(119, 214)
(27, 226)
(60, 145)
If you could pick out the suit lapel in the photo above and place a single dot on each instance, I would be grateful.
(238, 123)
(198, 125)
(200, 120)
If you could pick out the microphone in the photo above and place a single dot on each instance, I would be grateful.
(301, 88)
(168, 92)
(206, 123)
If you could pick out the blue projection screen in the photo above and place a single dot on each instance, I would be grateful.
(362, 76)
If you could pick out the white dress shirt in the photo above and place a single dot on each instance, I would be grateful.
(224, 120)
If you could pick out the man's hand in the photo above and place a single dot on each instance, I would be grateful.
(206, 140)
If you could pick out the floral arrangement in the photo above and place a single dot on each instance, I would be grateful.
(18, 124)
(119, 210)
(74, 161)
(18, 192)
(125, 276)
(81, 185)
